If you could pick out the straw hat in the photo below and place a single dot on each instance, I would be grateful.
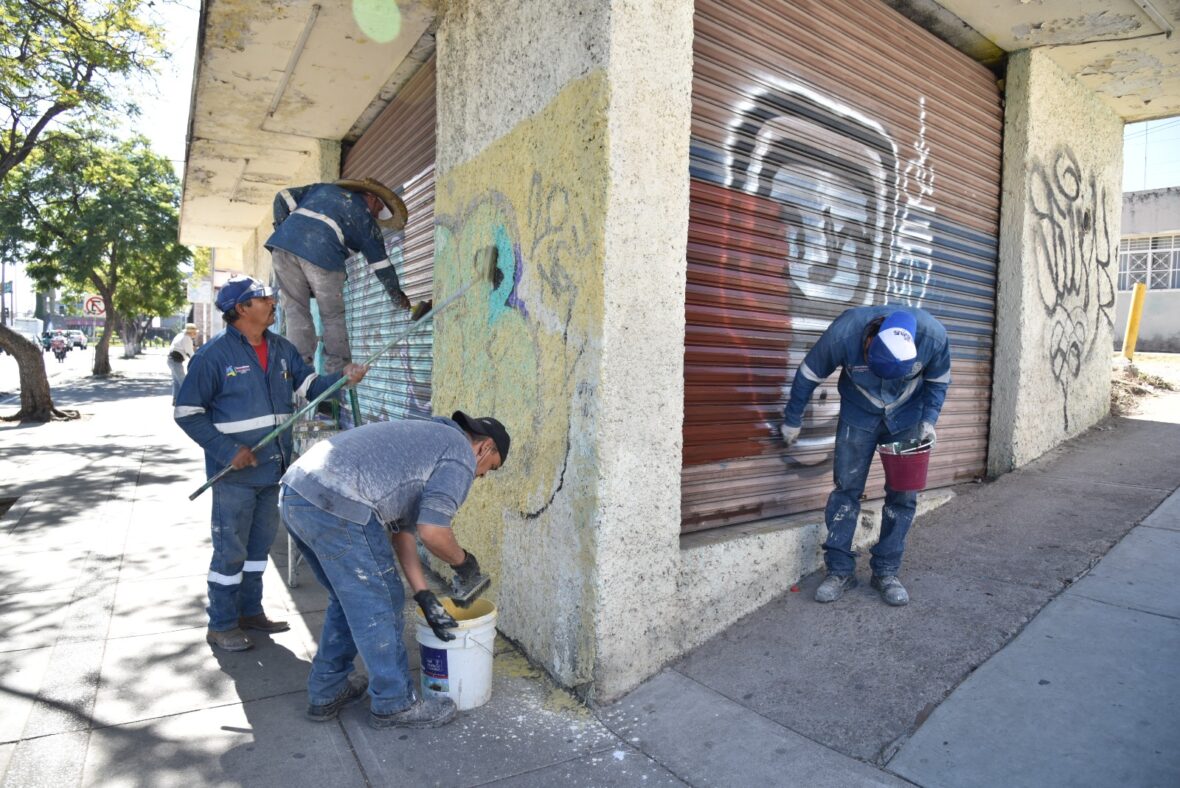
(395, 214)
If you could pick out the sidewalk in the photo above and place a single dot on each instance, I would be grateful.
(105, 677)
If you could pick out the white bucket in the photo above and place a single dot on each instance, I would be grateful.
(461, 668)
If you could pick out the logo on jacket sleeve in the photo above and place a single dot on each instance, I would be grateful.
(232, 371)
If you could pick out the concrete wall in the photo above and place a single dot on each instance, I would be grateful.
(1159, 325)
(547, 113)
(1059, 231)
(1154, 212)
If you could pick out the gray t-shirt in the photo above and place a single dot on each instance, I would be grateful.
(405, 472)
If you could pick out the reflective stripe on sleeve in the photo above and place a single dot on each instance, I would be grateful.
(287, 198)
(245, 425)
(305, 386)
(328, 220)
(943, 378)
(254, 566)
(225, 580)
(380, 264)
(806, 372)
(180, 411)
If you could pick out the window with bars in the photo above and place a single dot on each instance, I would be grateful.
(1153, 260)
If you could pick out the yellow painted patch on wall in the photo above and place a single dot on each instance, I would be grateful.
(528, 351)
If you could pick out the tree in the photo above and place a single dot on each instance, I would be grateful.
(58, 59)
(104, 215)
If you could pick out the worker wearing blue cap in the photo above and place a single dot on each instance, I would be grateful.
(896, 367)
(240, 385)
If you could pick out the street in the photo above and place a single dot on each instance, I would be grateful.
(77, 364)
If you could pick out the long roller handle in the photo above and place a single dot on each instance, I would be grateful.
(414, 326)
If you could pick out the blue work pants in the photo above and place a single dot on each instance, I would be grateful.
(365, 601)
(855, 448)
(245, 521)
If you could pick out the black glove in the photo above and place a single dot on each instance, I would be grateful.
(436, 615)
(468, 569)
(176, 356)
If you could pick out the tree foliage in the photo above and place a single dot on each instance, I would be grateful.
(103, 216)
(58, 59)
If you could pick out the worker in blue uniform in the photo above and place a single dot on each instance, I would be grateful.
(895, 368)
(316, 229)
(240, 385)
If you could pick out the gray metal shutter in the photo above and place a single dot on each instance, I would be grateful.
(398, 150)
(841, 156)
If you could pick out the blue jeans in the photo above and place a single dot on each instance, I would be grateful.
(365, 600)
(855, 448)
(245, 521)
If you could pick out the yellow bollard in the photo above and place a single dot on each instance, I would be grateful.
(1132, 334)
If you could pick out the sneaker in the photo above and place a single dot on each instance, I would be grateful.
(833, 587)
(351, 693)
(892, 591)
(422, 713)
(229, 640)
(260, 623)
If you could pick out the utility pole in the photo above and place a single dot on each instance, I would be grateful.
(3, 292)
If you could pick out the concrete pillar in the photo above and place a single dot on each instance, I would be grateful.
(1059, 233)
(563, 146)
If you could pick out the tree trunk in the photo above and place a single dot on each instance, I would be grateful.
(102, 351)
(36, 404)
(130, 335)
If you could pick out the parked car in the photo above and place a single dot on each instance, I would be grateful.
(76, 338)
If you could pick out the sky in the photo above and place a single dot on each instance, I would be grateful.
(1151, 154)
(163, 103)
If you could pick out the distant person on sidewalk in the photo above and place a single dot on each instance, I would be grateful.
(896, 367)
(340, 502)
(317, 228)
(179, 354)
(240, 385)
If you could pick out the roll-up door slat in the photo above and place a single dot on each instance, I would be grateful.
(840, 156)
(397, 150)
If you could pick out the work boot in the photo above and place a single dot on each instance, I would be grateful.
(892, 591)
(352, 692)
(260, 623)
(833, 587)
(422, 713)
(229, 640)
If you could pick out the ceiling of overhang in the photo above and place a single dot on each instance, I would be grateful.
(273, 79)
(241, 152)
(1113, 47)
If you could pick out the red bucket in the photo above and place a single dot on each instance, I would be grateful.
(905, 471)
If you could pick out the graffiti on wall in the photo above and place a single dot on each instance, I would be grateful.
(855, 211)
(852, 204)
(1073, 255)
(535, 346)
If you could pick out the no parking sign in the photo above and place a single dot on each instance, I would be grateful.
(93, 305)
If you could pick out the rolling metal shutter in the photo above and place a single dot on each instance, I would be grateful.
(398, 150)
(841, 156)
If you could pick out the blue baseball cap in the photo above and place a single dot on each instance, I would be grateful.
(893, 351)
(239, 290)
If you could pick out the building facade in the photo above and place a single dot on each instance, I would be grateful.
(679, 197)
(1149, 252)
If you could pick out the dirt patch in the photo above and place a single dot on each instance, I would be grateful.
(1150, 375)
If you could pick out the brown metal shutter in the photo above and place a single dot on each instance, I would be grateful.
(841, 156)
(398, 150)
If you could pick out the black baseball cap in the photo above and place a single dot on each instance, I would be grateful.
(486, 426)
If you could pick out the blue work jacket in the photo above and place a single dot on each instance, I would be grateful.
(865, 399)
(325, 225)
(227, 401)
